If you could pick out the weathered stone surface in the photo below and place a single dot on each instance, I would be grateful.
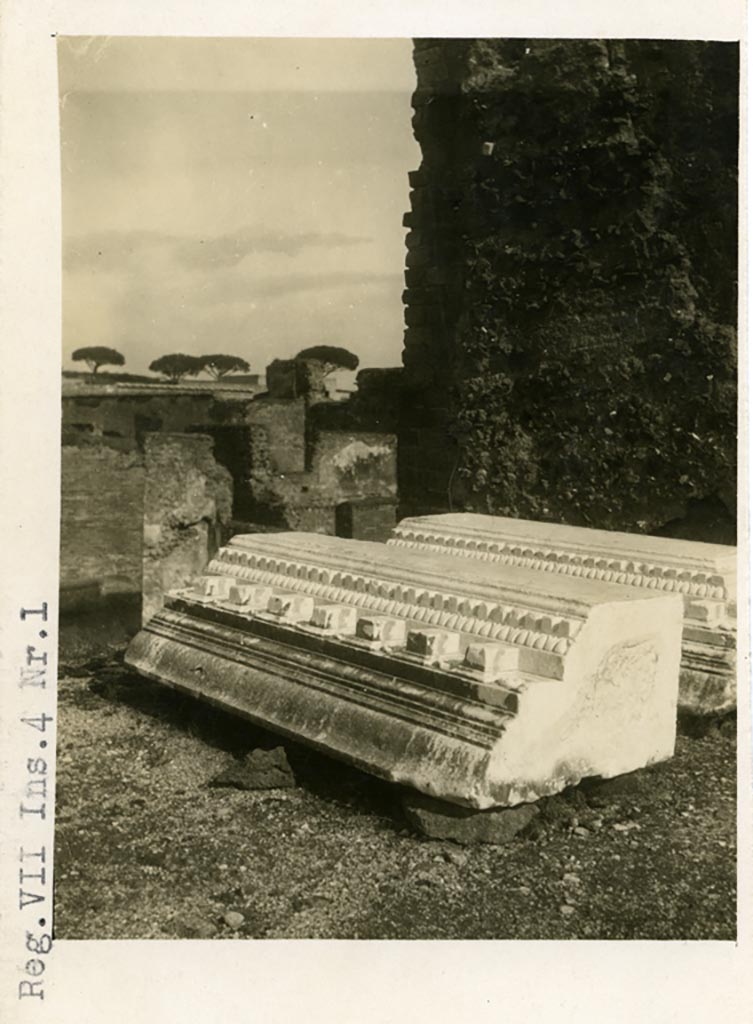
(593, 690)
(368, 518)
(703, 574)
(543, 160)
(187, 502)
(81, 594)
(261, 769)
(448, 821)
(102, 494)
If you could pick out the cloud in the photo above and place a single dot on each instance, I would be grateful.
(112, 249)
(228, 250)
(256, 290)
(211, 252)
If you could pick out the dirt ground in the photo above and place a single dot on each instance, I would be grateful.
(146, 847)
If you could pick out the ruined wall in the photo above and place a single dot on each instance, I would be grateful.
(290, 469)
(280, 427)
(374, 406)
(141, 521)
(570, 346)
(311, 456)
(355, 465)
(341, 467)
(121, 420)
(187, 511)
(102, 494)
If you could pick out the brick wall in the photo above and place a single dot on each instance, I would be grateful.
(570, 280)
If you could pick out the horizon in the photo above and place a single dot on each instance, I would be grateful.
(242, 196)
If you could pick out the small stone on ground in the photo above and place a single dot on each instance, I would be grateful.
(441, 820)
(261, 769)
(233, 919)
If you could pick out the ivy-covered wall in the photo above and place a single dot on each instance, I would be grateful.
(571, 277)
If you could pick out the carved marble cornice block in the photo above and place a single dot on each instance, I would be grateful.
(480, 684)
(705, 575)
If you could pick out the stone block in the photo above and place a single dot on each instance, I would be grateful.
(336, 619)
(434, 645)
(214, 586)
(440, 820)
(252, 597)
(417, 258)
(291, 607)
(381, 630)
(414, 277)
(261, 769)
(704, 575)
(366, 518)
(490, 660)
(594, 690)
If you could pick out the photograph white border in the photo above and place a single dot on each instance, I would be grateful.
(271, 981)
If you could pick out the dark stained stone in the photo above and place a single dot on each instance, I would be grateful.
(442, 820)
(261, 769)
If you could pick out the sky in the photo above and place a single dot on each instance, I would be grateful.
(234, 195)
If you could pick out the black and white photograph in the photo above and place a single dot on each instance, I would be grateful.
(400, 491)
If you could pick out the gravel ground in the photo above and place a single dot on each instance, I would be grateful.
(147, 848)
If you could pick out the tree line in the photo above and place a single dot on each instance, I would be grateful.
(176, 366)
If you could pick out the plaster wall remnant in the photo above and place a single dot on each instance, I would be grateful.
(476, 687)
(571, 269)
(705, 575)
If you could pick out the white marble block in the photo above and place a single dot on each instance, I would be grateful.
(474, 682)
(704, 575)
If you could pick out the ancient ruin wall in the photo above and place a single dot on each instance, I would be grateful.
(102, 499)
(571, 302)
(188, 498)
(134, 522)
(130, 454)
